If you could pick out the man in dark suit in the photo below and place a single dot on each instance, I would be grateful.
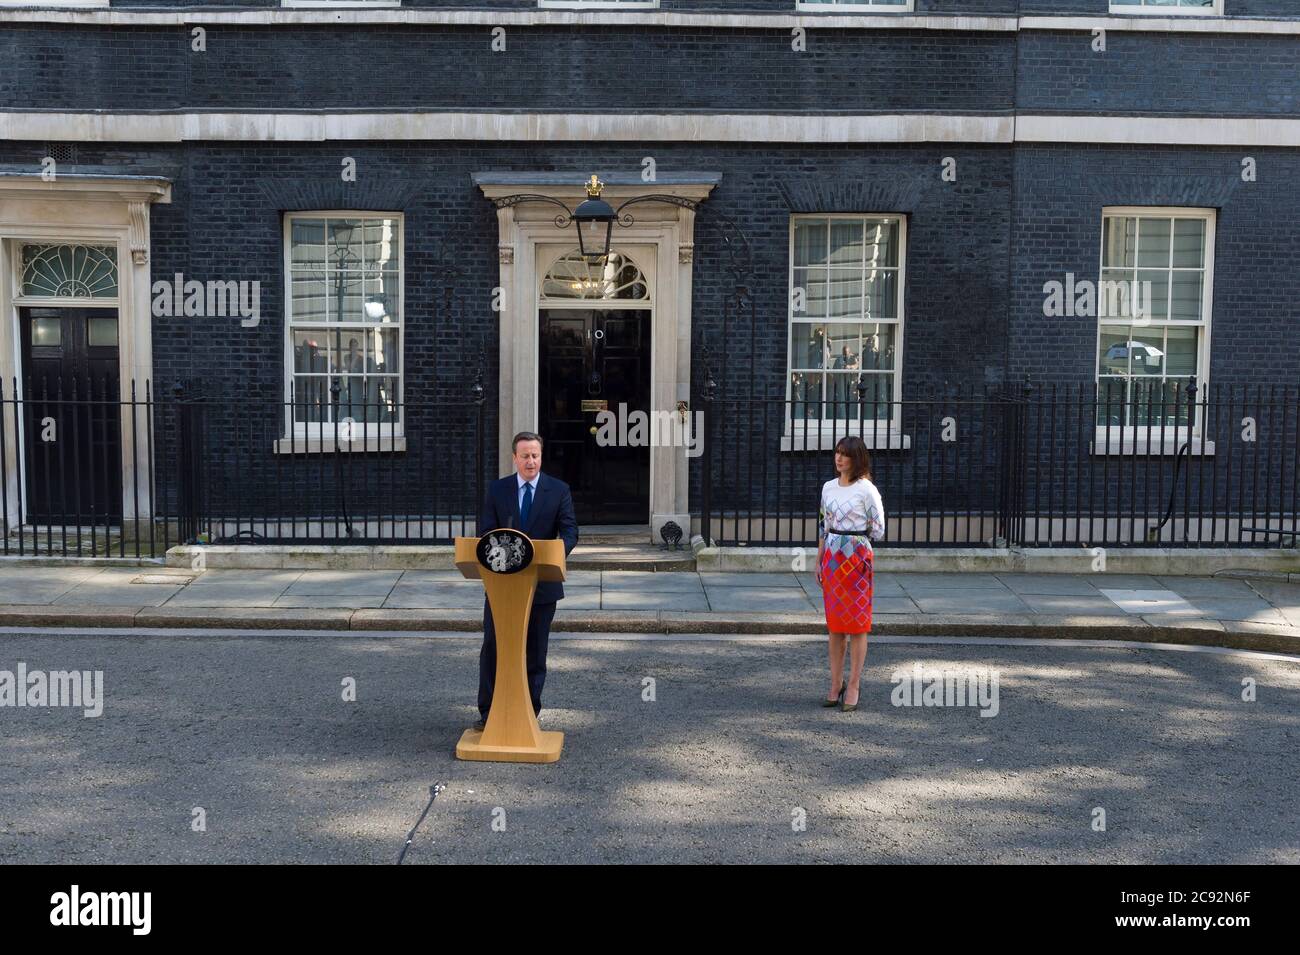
(541, 507)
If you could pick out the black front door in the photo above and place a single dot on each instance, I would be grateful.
(71, 415)
(593, 360)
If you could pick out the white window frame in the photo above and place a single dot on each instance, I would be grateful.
(1148, 10)
(853, 6)
(598, 4)
(1145, 439)
(299, 437)
(821, 434)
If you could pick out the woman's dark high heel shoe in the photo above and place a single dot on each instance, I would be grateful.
(848, 707)
(839, 700)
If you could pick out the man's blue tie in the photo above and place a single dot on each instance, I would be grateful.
(526, 506)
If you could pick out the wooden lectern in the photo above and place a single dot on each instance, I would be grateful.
(511, 734)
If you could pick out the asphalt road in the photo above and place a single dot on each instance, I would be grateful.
(717, 768)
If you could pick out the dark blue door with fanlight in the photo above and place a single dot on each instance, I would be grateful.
(72, 439)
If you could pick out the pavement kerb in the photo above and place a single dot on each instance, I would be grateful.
(1238, 635)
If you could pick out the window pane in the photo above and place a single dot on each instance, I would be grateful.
(882, 295)
(311, 352)
(1114, 348)
(845, 293)
(380, 298)
(311, 399)
(813, 284)
(1154, 297)
(101, 332)
(806, 394)
(1112, 399)
(882, 236)
(1186, 304)
(1119, 246)
(807, 343)
(344, 243)
(386, 349)
(47, 332)
(1146, 352)
(1116, 294)
(1153, 243)
(307, 237)
(810, 240)
(379, 249)
(878, 347)
(1189, 243)
(347, 298)
(844, 345)
(1181, 347)
(309, 298)
(846, 242)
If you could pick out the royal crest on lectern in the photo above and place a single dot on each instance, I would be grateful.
(505, 551)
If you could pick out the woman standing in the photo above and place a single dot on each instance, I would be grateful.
(851, 516)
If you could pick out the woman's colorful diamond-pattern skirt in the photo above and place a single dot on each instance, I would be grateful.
(846, 584)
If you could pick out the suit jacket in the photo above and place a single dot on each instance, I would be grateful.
(550, 517)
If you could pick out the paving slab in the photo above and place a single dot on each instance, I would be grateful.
(1192, 587)
(933, 584)
(970, 602)
(242, 578)
(754, 600)
(354, 582)
(1157, 601)
(628, 599)
(772, 581)
(226, 596)
(1058, 585)
(1239, 608)
(644, 581)
(458, 594)
(120, 594)
(352, 601)
(885, 604)
(1095, 605)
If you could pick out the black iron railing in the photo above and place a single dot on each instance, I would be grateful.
(81, 460)
(1159, 463)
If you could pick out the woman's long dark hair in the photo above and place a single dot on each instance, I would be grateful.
(853, 448)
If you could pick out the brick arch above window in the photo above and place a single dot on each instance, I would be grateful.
(305, 195)
(808, 194)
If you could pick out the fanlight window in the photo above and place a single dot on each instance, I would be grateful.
(70, 271)
(616, 277)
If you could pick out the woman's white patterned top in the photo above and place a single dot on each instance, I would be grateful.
(857, 507)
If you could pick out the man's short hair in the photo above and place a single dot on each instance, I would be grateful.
(524, 436)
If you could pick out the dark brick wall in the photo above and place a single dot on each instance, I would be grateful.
(1155, 73)
(545, 68)
(1060, 193)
